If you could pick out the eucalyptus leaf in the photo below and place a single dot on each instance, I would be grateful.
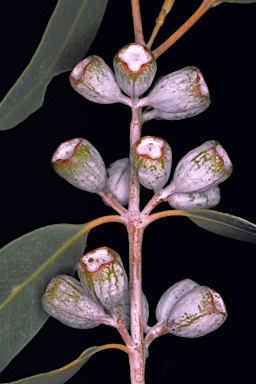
(62, 375)
(69, 34)
(223, 224)
(26, 267)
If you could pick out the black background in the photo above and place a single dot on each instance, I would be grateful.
(222, 45)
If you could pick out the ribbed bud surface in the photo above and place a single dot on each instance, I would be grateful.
(151, 158)
(101, 272)
(79, 163)
(195, 200)
(202, 168)
(95, 81)
(66, 301)
(135, 69)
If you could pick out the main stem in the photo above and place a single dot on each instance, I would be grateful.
(135, 230)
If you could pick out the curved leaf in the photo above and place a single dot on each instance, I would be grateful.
(61, 375)
(68, 36)
(223, 224)
(26, 266)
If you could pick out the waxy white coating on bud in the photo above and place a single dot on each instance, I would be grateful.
(118, 180)
(195, 200)
(202, 168)
(196, 313)
(94, 80)
(151, 158)
(179, 95)
(135, 69)
(102, 274)
(171, 296)
(66, 301)
(79, 163)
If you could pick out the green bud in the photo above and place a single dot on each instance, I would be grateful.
(102, 274)
(95, 81)
(135, 69)
(151, 158)
(78, 162)
(118, 180)
(66, 301)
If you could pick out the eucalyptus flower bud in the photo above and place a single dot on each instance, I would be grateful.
(66, 301)
(95, 81)
(102, 274)
(202, 168)
(151, 158)
(195, 200)
(171, 296)
(135, 69)
(118, 180)
(179, 95)
(197, 313)
(78, 162)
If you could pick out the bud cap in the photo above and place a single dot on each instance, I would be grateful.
(151, 158)
(198, 312)
(79, 163)
(202, 168)
(135, 69)
(102, 274)
(95, 81)
(66, 301)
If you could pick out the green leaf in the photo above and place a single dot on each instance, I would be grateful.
(61, 375)
(26, 266)
(68, 36)
(235, 1)
(223, 224)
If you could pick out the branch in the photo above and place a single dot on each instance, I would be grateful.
(137, 24)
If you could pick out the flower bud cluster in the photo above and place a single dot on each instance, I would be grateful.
(189, 310)
(179, 95)
(103, 286)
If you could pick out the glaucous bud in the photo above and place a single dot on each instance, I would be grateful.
(118, 180)
(95, 81)
(79, 162)
(197, 313)
(135, 69)
(171, 296)
(179, 95)
(66, 301)
(102, 274)
(151, 158)
(195, 200)
(202, 168)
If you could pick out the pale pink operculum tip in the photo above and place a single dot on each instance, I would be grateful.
(135, 69)
(202, 168)
(151, 158)
(95, 81)
(197, 313)
(79, 163)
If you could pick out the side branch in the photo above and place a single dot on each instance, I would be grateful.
(137, 23)
(204, 7)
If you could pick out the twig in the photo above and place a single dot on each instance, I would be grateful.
(204, 7)
(137, 23)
